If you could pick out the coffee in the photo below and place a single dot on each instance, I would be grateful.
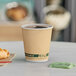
(36, 27)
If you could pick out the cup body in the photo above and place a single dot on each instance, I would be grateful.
(37, 42)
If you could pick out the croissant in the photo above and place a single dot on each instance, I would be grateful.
(17, 13)
(4, 53)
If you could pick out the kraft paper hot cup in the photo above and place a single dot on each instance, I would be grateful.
(37, 42)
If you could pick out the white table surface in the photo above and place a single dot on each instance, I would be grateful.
(59, 52)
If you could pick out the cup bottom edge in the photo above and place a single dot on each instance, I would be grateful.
(37, 61)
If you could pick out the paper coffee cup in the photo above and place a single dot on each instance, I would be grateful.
(37, 38)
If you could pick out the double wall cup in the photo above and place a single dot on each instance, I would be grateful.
(37, 38)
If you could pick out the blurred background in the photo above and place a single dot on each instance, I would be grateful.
(58, 13)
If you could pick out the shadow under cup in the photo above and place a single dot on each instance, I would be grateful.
(37, 39)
